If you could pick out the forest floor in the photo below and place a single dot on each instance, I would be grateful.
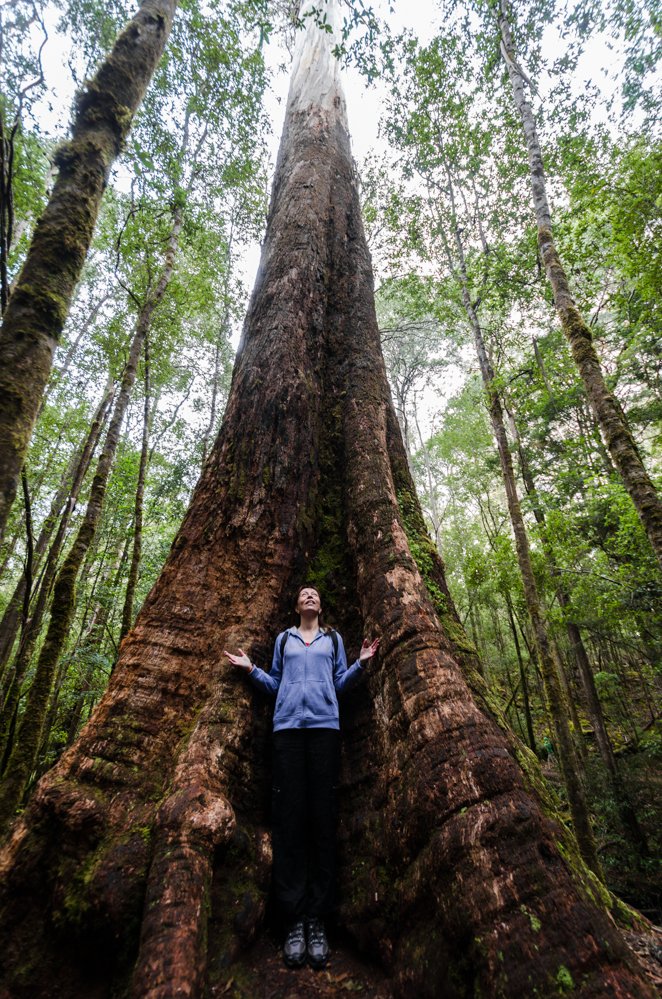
(261, 974)
(648, 948)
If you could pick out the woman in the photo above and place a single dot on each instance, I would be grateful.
(309, 669)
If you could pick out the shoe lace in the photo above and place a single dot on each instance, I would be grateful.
(296, 934)
(316, 932)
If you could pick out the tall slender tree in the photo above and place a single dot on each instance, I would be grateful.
(152, 824)
(609, 414)
(32, 623)
(41, 298)
(580, 655)
(448, 158)
(22, 759)
(134, 566)
(549, 661)
(62, 506)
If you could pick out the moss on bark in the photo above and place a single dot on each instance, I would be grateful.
(40, 301)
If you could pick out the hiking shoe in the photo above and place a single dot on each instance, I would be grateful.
(318, 945)
(294, 948)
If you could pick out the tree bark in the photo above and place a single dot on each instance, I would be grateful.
(610, 417)
(153, 824)
(40, 301)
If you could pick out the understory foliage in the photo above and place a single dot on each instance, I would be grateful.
(456, 163)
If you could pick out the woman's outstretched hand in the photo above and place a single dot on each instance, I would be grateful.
(242, 660)
(368, 650)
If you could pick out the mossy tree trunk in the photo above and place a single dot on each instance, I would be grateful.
(609, 414)
(41, 297)
(152, 827)
(28, 737)
(62, 506)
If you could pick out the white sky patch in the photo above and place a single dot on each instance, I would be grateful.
(364, 103)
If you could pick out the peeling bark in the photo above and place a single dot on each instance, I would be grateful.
(41, 297)
(152, 826)
(610, 417)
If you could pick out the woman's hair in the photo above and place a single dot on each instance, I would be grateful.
(310, 586)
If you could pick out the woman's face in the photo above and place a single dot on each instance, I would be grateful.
(308, 601)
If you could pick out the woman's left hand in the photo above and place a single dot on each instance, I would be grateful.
(368, 650)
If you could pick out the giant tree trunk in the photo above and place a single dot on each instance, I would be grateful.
(610, 417)
(143, 856)
(40, 300)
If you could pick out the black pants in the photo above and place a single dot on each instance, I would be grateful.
(305, 775)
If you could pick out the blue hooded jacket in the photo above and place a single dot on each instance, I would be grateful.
(306, 680)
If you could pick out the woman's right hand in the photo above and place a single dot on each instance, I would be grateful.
(242, 660)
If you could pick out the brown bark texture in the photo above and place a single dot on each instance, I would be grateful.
(141, 863)
(40, 300)
(609, 414)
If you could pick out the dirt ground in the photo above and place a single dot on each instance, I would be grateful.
(261, 974)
